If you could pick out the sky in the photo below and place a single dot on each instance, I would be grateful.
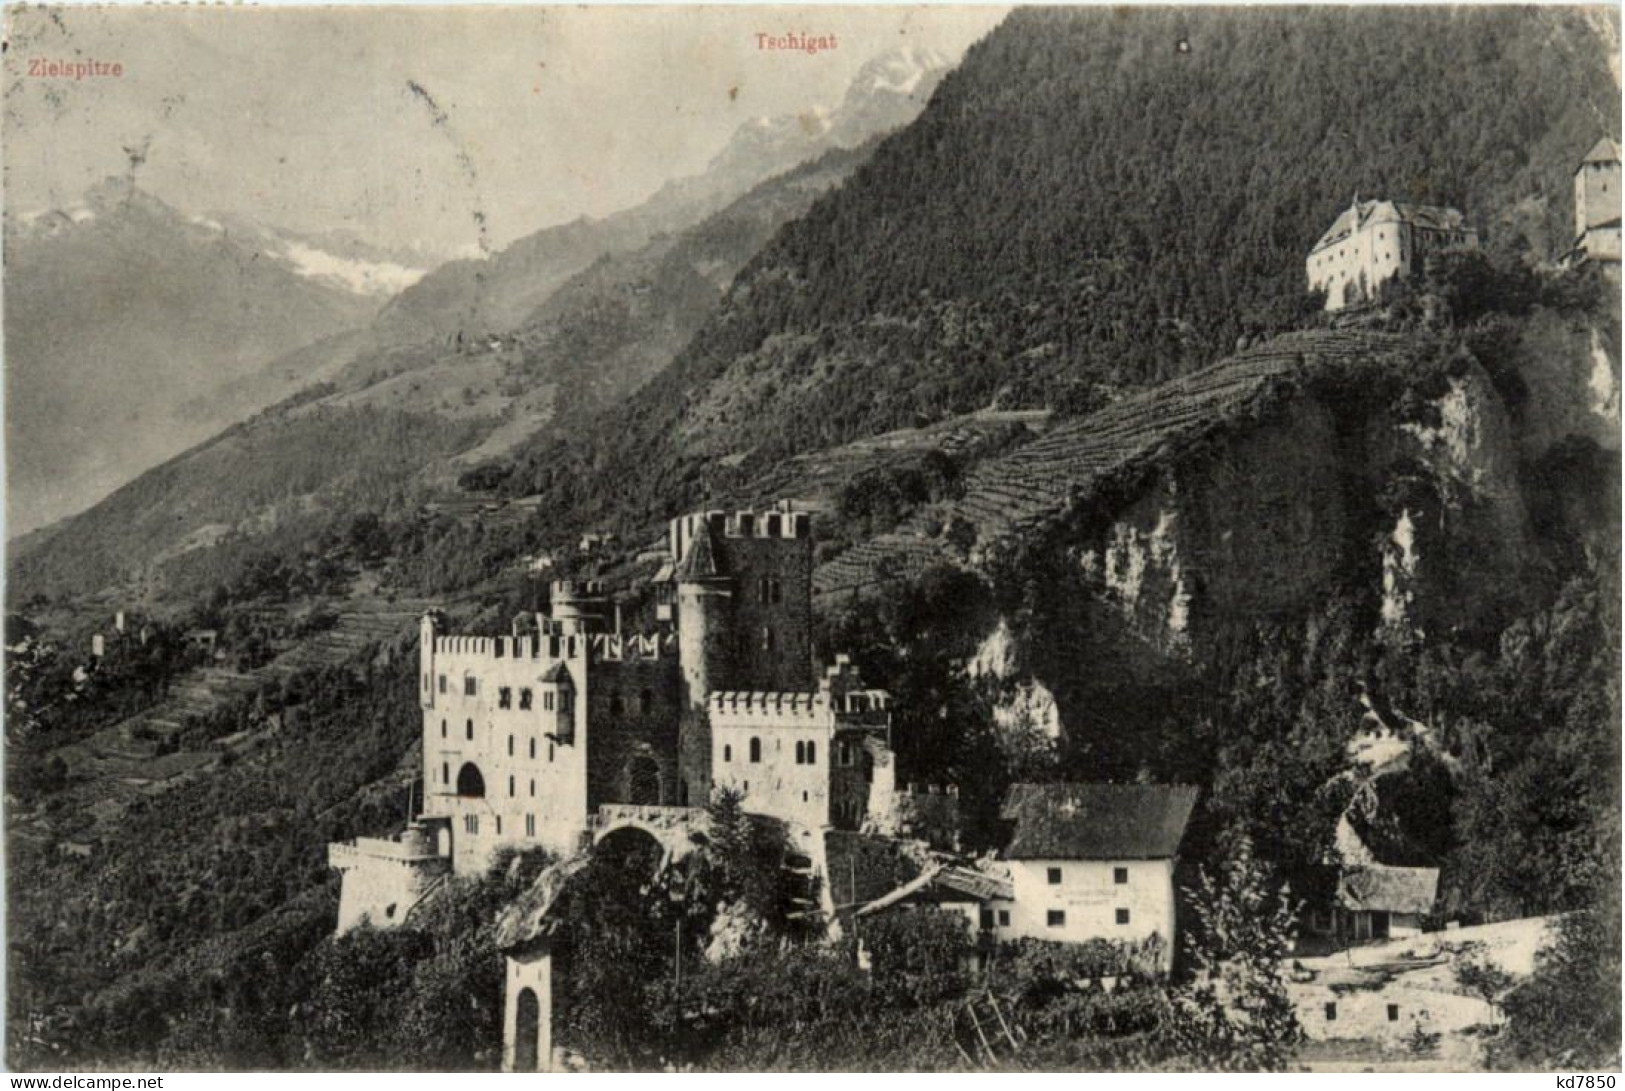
(399, 124)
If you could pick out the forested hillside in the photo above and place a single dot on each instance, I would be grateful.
(1100, 199)
(1078, 444)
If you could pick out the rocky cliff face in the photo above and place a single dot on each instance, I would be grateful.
(1390, 469)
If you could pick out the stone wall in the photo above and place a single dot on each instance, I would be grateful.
(633, 709)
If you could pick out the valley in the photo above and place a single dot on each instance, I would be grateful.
(947, 566)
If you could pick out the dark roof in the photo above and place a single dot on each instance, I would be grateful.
(700, 562)
(1605, 150)
(558, 673)
(1097, 821)
(1389, 889)
(1356, 216)
(947, 883)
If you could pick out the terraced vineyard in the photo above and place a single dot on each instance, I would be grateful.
(1018, 494)
(127, 760)
(820, 475)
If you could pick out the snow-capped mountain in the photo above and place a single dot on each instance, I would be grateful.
(119, 309)
(338, 259)
(887, 93)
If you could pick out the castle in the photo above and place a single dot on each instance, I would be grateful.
(1596, 204)
(1373, 242)
(529, 735)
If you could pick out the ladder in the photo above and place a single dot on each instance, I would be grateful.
(992, 1037)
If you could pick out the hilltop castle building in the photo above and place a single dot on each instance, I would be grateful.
(1373, 242)
(1597, 204)
(527, 735)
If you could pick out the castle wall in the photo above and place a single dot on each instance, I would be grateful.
(634, 710)
(535, 782)
(757, 740)
(770, 626)
(382, 880)
(1596, 199)
(852, 790)
(807, 758)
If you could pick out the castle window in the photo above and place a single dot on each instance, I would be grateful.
(1331, 1013)
(646, 702)
(1119, 875)
(442, 683)
(445, 773)
(533, 786)
(470, 686)
(511, 792)
(443, 729)
(533, 750)
(524, 699)
(1122, 916)
(471, 823)
(547, 701)
(549, 751)
(803, 797)
(504, 697)
(1055, 918)
(1054, 876)
(767, 639)
(1004, 918)
(468, 729)
(510, 746)
(812, 753)
(727, 753)
(801, 753)
(1393, 1013)
(501, 647)
(530, 825)
(499, 825)
(755, 750)
(566, 700)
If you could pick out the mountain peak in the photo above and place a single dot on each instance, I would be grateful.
(900, 71)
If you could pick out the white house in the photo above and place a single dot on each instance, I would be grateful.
(1095, 861)
(1373, 242)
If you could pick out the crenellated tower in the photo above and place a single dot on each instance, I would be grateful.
(741, 590)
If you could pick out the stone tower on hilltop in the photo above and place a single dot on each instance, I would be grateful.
(1597, 203)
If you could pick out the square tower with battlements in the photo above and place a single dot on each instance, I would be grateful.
(739, 588)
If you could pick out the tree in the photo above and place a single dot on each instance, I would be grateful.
(1481, 977)
(1235, 1014)
(1568, 1013)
